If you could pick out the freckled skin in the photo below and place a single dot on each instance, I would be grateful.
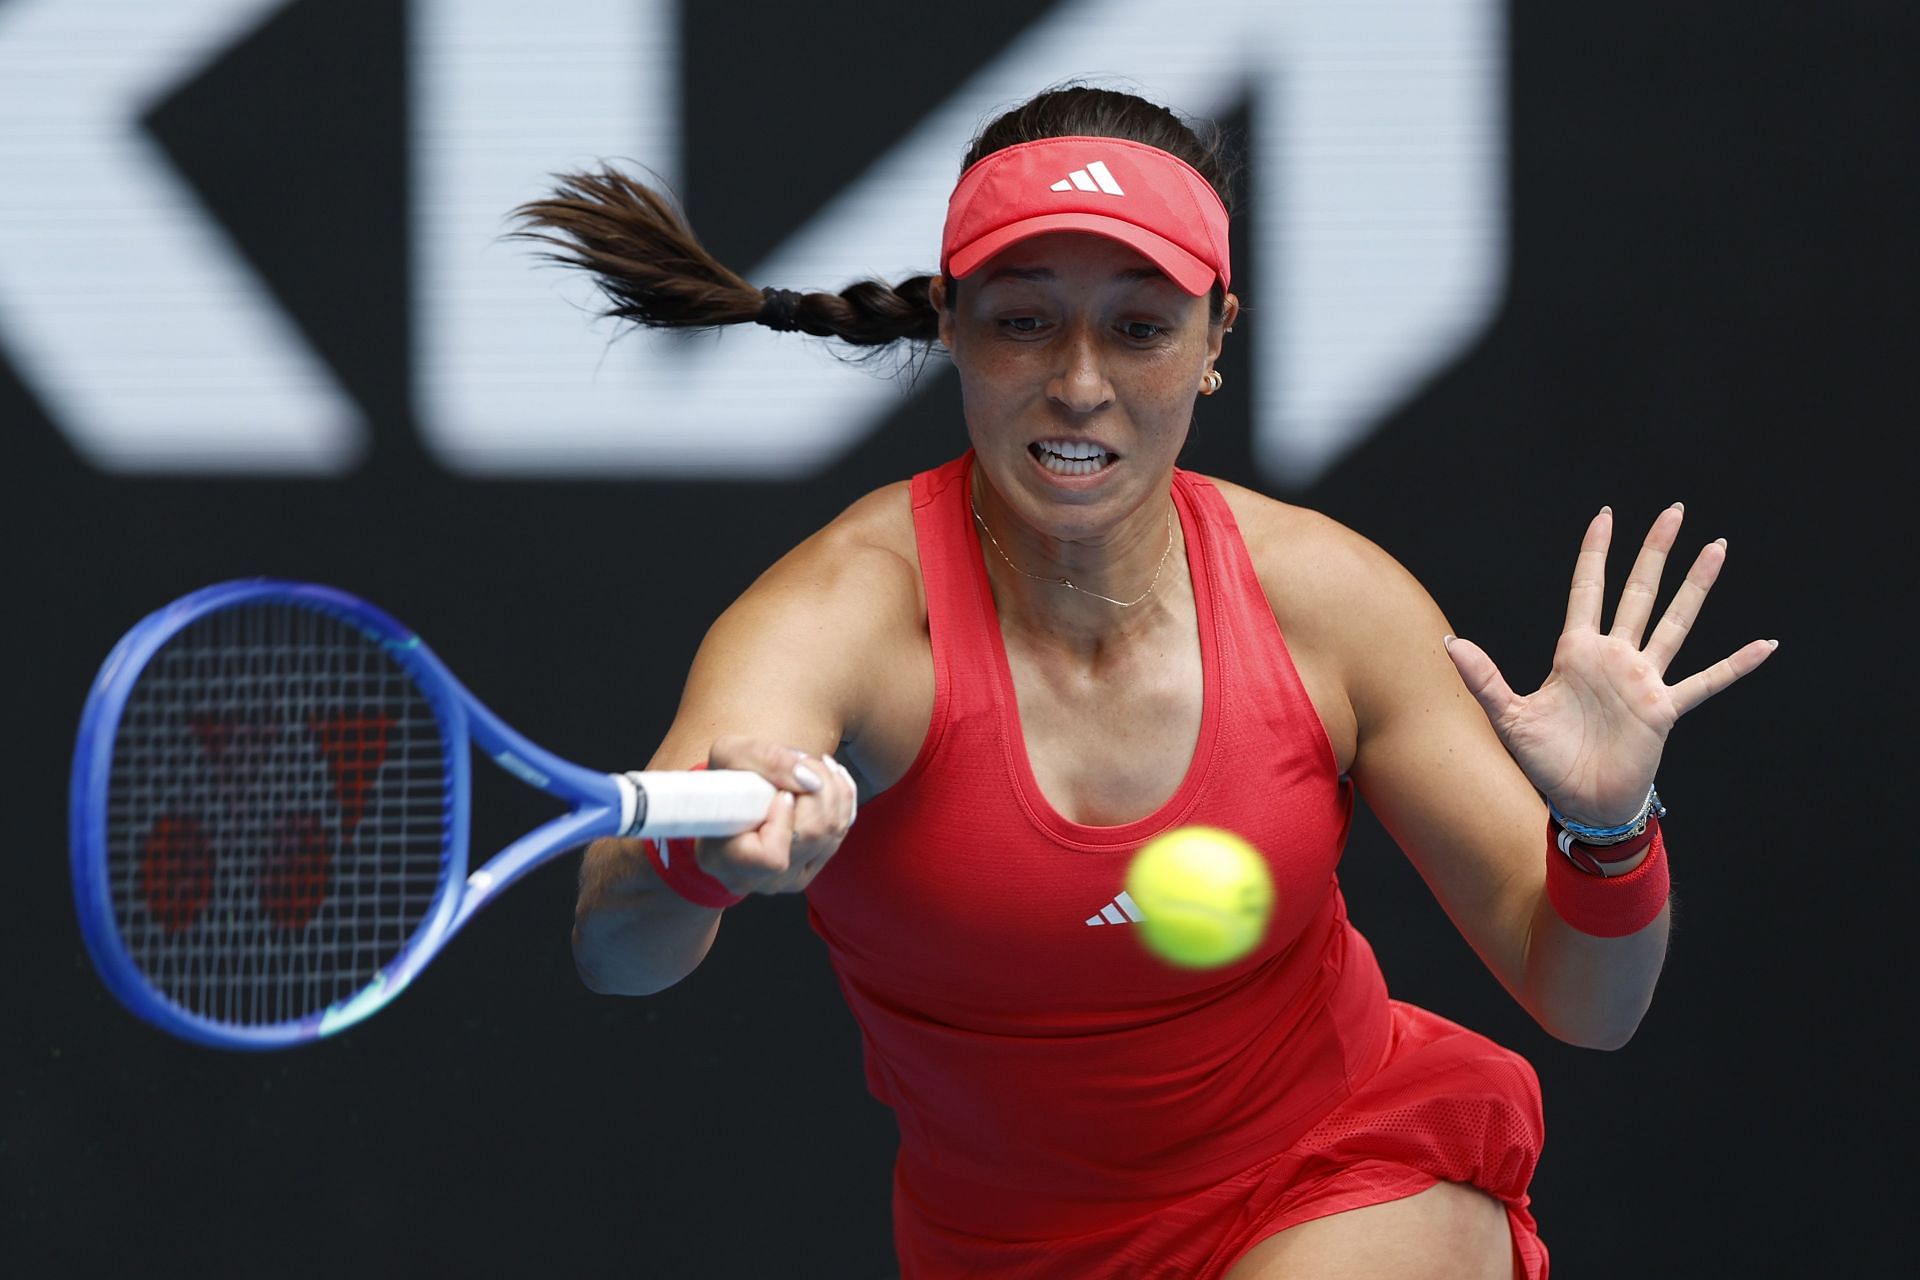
(1077, 337)
(1105, 349)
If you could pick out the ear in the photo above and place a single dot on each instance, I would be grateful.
(937, 294)
(1216, 335)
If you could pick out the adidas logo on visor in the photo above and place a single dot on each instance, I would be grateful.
(1095, 177)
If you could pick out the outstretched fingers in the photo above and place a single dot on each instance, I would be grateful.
(1684, 609)
(1483, 679)
(1701, 685)
(1589, 575)
(1643, 581)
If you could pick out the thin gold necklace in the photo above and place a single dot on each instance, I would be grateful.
(1067, 582)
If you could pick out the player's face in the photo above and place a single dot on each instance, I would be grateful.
(1071, 344)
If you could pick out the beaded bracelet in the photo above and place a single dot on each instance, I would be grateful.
(1601, 837)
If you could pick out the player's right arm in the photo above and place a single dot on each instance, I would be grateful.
(824, 653)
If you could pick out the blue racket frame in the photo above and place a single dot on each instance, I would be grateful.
(596, 799)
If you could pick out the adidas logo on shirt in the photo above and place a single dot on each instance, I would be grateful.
(1095, 177)
(1122, 910)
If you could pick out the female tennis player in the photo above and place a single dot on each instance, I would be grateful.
(1059, 645)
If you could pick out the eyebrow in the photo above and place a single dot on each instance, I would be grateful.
(1045, 275)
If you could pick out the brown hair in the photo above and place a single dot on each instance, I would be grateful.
(654, 270)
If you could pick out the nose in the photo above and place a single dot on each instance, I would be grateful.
(1080, 384)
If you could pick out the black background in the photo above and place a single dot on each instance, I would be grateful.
(1710, 299)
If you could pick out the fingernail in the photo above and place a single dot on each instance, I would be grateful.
(1678, 506)
(806, 777)
(1773, 644)
(1447, 643)
(1722, 542)
(1606, 511)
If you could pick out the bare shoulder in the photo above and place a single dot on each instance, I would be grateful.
(863, 561)
(1294, 541)
(839, 624)
(1324, 578)
(1348, 608)
(880, 521)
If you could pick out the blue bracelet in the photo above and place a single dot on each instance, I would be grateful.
(1602, 835)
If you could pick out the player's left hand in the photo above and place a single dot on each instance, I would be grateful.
(1590, 738)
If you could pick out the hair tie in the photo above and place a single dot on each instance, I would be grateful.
(778, 308)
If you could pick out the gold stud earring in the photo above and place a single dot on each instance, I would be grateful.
(1211, 383)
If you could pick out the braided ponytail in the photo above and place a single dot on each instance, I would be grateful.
(654, 271)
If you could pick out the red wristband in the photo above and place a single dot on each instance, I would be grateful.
(679, 869)
(1603, 906)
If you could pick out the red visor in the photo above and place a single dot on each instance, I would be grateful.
(1139, 195)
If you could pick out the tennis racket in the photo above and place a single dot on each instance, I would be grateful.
(269, 812)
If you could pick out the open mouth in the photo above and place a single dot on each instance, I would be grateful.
(1071, 457)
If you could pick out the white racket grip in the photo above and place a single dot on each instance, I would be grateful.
(713, 802)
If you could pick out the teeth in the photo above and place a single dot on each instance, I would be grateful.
(1071, 457)
(1075, 449)
(1071, 466)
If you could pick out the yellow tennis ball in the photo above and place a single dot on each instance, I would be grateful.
(1205, 896)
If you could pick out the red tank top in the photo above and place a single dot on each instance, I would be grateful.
(1045, 1070)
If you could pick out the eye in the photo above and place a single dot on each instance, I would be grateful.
(1021, 324)
(1142, 331)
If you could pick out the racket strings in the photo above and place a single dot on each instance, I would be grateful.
(277, 814)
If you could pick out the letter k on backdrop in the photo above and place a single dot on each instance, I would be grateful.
(1374, 205)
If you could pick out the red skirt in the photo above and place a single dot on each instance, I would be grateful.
(1447, 1104)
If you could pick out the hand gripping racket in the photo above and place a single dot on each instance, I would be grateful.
(269, 812)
